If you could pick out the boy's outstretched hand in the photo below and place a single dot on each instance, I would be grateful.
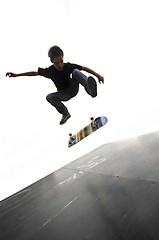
(101, 79)
(10, 74)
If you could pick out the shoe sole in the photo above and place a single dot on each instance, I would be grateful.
(92, 86)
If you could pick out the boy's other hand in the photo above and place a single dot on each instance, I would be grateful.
(10, 74)
(101, 79)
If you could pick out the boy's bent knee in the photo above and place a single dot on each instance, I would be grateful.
(75, 73)
(50, 98)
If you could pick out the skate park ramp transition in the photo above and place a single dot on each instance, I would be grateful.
(110, 193)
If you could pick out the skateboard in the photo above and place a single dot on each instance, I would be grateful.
(90, 128)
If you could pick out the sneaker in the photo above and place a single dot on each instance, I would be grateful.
(91, 87)
(64, 119)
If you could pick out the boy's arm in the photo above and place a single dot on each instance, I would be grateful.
(10, 74)
(100, 78)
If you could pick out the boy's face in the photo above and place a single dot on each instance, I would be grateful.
(58, 63)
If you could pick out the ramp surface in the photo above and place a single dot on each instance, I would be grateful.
(110, 193)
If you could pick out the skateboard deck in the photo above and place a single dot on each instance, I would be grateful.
(86, 131)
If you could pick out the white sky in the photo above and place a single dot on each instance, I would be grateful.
(117, 39)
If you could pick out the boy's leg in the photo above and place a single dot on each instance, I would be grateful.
(79, 77)
(55, 99)
(88, 83)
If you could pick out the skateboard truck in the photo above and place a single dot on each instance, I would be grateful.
(71, 138)
(93, 125)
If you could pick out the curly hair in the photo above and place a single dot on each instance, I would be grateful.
(55, 51)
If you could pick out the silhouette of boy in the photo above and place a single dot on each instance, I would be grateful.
(67, 86)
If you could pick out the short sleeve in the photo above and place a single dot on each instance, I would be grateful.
(45, 72)
(73, 66)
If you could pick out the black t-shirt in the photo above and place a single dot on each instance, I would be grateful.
(62, 78)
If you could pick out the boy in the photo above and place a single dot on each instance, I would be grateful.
(67, 87)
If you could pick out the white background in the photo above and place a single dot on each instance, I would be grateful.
(117, 39)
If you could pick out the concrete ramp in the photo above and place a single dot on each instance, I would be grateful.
(111, 193)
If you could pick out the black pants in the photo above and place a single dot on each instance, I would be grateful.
(56, 99)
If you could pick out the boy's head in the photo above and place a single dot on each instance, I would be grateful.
(56, 56)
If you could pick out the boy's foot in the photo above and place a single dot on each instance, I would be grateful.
(64, 119)
(91, 87)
